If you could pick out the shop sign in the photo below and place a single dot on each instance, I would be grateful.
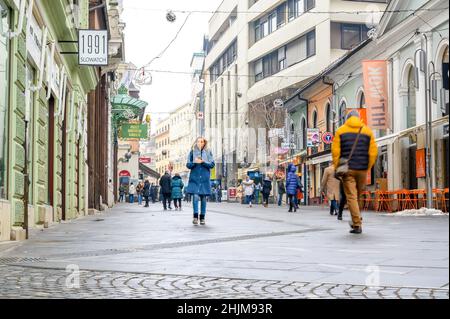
(134, 131)
(145, 160)
(313, 135)
(93, 47)
(232, 192)
(124, 174)
(420, 164)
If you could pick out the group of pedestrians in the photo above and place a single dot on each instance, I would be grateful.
(354, 152)
(143, 191)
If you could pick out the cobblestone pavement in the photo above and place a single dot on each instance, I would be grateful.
(39, 283)
(137, 252)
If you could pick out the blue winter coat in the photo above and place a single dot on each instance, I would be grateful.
(199, 179)
(292, 180)
(177, 188)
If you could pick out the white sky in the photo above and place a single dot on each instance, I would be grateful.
(148, 32)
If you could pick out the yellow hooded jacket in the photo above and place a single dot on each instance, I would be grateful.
(366, 151)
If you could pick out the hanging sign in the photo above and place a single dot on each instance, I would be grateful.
(420, 164)
(376, 90)
(93, 47)
(134, 131)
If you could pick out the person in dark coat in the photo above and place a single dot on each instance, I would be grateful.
(177, 191)
(292, 187)
(146, 193)
(266, 190)
(166, 190)
(281, 192)
(200, 161)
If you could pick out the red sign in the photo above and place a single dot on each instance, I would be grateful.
(232, 193)
(420, 164)
(145, 160)
(124, 174)
(327, 138)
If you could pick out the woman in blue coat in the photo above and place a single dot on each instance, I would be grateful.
(292, 186)
(200, 161)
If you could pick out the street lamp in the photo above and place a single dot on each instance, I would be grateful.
(428, 143)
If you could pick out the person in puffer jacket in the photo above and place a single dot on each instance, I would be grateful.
(292, 187)
(355, 133)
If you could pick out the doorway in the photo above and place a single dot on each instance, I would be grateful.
(413, 184)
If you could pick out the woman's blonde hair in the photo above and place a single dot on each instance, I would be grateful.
(196, 141)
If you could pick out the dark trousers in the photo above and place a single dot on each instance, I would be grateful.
(177, 202)
(167, 199)
(266, 198)
(343, 201)
(147, 200)
(292, 203)
(333, 207)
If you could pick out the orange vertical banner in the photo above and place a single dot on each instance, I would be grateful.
(420, 164)
(376, 93)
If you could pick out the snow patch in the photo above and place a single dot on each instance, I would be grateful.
(419, 212)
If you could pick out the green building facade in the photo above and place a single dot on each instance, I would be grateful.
(43, 107)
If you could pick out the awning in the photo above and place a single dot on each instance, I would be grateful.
(148, 171)
(319, 160)
(123, 100)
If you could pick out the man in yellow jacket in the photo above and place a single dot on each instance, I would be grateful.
(355, 134)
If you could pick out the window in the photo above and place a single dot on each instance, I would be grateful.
(4, 96)
(362, 101)
(328, 117)
(352, 35)
(225, 60)
(342, 115)
(286, 56)
(314, 119)
(304, 134)
(411, 107)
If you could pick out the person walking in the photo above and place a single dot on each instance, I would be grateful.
(342, 200)
(249, 191)
(146, 192)
(131, 193)
(266, 190)
(354, 153)
(219, 193)
(258, 189)
(292, 186)
(281, 192)
(166, 190)
(140, 192)
(330, 188)
(200, 161)
(240, 193)
(177, 191)
(121, 193)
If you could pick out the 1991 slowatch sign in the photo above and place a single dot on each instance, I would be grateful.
(93, 47)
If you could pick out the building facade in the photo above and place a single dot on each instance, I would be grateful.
(163, 148)
(181, 139)
(258, 58)
(43, 130)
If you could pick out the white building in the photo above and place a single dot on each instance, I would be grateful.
(181, 138)
(264, 50)
(162, 141)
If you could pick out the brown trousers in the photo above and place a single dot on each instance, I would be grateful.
(354, 184)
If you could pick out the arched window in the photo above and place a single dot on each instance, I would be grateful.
(362, 101)
(328, 117)
(342, 110)
(304, 134)
(445, 61)
(314, 119)
(411, 107)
